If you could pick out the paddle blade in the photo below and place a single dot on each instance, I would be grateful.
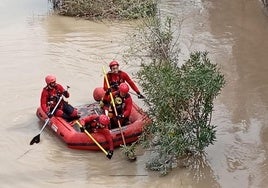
(35, 139)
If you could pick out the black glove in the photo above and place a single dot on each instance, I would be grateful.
(140, 96)
(109, 90)
(82, 129)
(110, 154)
(120, 116)
(114, 85)
(49, 115)
(65, 93)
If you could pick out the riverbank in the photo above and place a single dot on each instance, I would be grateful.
(110, 9)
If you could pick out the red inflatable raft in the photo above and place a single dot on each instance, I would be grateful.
(70, 132)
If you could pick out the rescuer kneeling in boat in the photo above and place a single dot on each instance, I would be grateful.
(116, 77)
(123, 104)
(96, 123)
(50, 96)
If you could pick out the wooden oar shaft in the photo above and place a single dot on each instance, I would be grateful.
(92, 138)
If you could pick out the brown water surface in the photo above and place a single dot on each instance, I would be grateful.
(34, 43)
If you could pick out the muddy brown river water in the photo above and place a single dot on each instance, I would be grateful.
(34, 43)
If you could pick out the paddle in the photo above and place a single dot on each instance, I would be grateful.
(92, 138)
(128, 153)
(135, 95)
(36, 139)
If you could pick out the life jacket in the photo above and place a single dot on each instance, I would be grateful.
(53, 96)
(115, 80)
(120, 102)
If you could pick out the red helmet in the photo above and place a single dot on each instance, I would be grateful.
(98, 93)
(104, 120)
(123, 87)
(50, 78)
(113, 63)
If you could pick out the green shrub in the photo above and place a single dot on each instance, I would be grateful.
(179, 98)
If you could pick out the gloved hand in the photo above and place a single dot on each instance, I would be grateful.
(140, 96)
(66, 94)
(119, 116)
(49, 115)
(82, 122)
(110, 154)
(114, 85)
(109, 90)
(82, 129)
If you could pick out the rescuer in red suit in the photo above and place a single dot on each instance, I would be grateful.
(96, 123)
(50, 96)
(116, 77)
